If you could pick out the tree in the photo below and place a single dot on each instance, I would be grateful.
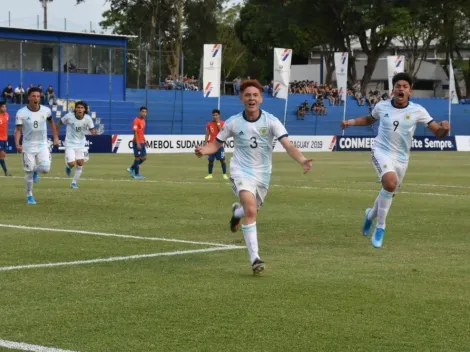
(164, 26)
(420, 33)
(235, 54)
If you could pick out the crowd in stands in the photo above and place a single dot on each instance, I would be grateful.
(175, 83)
(20, 96)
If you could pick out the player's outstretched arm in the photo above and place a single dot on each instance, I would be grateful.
(295, 154)
(208, 149)
(59, 125)
(440, 129)
(18, 146)
(54, 131)
(360, 121)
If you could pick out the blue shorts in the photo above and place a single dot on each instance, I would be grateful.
(219, 155)
(3, 145)
(141, 152)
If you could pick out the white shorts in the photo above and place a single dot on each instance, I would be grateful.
(74, 154)
(384, 164)
(31, 160)
(242, 184)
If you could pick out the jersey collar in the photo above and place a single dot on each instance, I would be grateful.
(398, 107)
(39, 108)
(260, 113)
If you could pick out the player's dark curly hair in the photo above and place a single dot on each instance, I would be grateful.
(82, 103)
(402, 76)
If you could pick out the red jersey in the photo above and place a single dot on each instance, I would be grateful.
(4, 126)
(139, 127)
(214, 129)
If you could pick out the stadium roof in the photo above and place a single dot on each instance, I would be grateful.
(68, 32)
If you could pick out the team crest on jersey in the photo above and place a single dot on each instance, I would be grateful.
(407, 117)
(385, 166)
(263, 131)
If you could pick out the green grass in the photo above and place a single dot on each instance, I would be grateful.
(324, 289)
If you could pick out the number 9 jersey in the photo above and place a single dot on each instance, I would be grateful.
(253, 145)
(34, 128)
(397, 127)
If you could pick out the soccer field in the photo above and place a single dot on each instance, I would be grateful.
(128, 265)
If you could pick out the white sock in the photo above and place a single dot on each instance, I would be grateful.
(28, 180)
(239, 213)
(251, 240)
(78, 172)
(373, 212)
(384, 201)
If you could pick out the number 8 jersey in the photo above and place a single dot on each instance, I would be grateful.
(397, 127)
(76, 130)
(253, 145)
(34, 129)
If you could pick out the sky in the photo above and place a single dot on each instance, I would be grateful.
(23, 13)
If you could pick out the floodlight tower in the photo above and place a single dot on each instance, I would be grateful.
(44, 5)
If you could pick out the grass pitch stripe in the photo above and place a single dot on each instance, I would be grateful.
(80, 232)
(116, 259)
(335, 189)
(27, 347)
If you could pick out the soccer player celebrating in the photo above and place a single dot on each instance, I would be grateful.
(4, 117)
(212, 130)
(140, 153)
(31, 121)
(391, 150)
(253, 132)
(78, 124)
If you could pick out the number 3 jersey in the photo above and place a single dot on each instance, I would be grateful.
(34, 128)
(76, 130)
(253, 145)
(397, 127)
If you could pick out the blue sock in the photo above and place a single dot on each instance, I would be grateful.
(3, 165)
(211, 167)
(136, 167)
(224, 168)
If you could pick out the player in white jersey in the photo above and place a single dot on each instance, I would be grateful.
(78, 123)
(391, 149)
(253, 132)
(32, 122)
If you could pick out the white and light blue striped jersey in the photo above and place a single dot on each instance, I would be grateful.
(397, 127)
(34, 128)
(253, 145)
(76, 130)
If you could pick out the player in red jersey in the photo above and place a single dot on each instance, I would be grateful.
(212, 130)
(140, 152)
(4, 117)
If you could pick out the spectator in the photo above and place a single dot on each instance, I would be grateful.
(300, 112)
(20, 95)
(30, 86)
(50, 96)
(8, 94)
(42, 94)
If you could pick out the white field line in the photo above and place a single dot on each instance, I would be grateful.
(80, 232)
(27, 347)
(211, 183)
(116, 259)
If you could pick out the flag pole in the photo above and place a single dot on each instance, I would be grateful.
(451, 72)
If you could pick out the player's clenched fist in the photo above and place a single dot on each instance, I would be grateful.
(198, 151)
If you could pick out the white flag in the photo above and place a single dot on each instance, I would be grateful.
(212, 70)
(395, 64)
(341, 69)
(452, 92)
(282, 63)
